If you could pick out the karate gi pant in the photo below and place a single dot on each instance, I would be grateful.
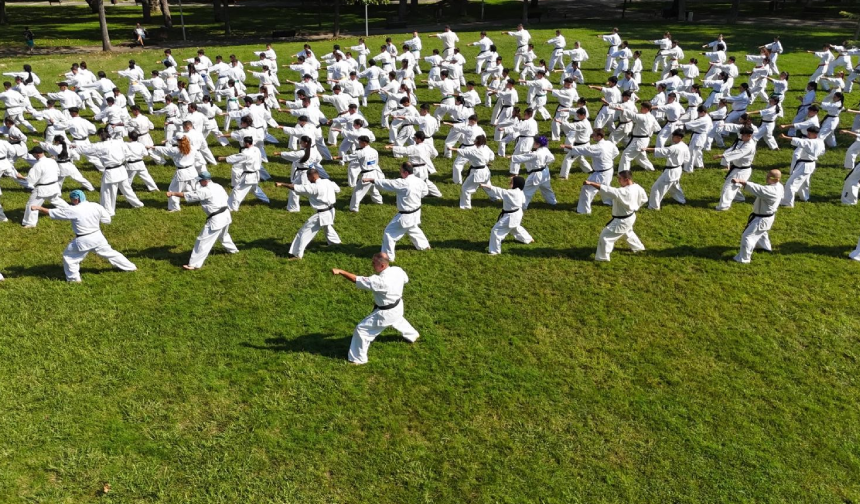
(360, 191)
(73, 256)
(457, 169)
(555, 128)
(797, 184)
(206, 240)
(855, 254)
(633, 152)
(666, 133)
(829, 127)
(107, 196)
(522, 145)
(319, 220)
(539, 106)
(31, 217)
(539, 180)
(849, 81)
(731, 192)
(570, 161)
(851, 186)
(471, 184)
(754, 236)
(145, 176)
(241, 190)
(557, 57)
(372, 326)
(587, 193)
(669, 182)
(766, 132)
(851, 155)
(69, 170)
(177, 185)
(616, 229)
(399, 226)
(502, 229)
(604, 117)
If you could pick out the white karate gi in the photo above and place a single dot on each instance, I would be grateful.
(614, 40)
(421, 156)
(760, 220)
(86, 218)
(185, 178)
(112, 154)
(669, 182)
(765, 130)
(577, 132)
(245, 177)
(739, 160)
(602, 154)
(387, 288)
(625, 202)
(803, 161)
(43, 177)
(137, 152)
(523, 134)
(851, 186)
(537, 165)
(299, 172)
(66, 165)
(644, 125)
(367, 162)
(409, 192)
(479, 159)
(510, 219)
(213, 199)
(322, 195)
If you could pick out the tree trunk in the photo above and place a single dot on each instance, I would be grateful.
(165, 13)
(414, 5)
(319, 13)
(94, 6)
(682, 10)
(401, 11)
(736, 9)
(534, 4)
(226, 11)
(525, 12)
(216, 7)
(147, 11)
(3, 18)
(337, 18)
(104, 27)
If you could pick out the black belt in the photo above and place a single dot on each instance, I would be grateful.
(59, 160)
(86, 234)
(303, 169)
(47, 183)
(386, 307)
(733, 168)
(467, 145)
(503, 212)
(113, 167)
(469, 172)
(254, 171)
(80, 139)
(670, 167)
(623, 122)
(216, 212)
(326, 209)
(622, 217)
(407, 212)
(763, 121)
(363, 171)
(575, 144)
(536, 170)
(130, 161)
(418, 164)
(753, 216)
(830, 116)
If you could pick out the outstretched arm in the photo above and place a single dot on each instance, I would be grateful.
(346, 274)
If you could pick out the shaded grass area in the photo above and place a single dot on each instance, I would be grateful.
(541, 376)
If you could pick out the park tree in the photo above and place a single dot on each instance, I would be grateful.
(147, 10)
(106, 46)
(735, 11)
(165, 13)
(3, 18)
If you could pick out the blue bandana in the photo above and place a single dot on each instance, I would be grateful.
(78, 195)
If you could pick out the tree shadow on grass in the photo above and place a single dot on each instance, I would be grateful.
(716, 252)
(697, 203)
(164, 253)
(325, 345)
(53, 270)
(274, 245)
(795, 247)
(465, 245)
(576, 253)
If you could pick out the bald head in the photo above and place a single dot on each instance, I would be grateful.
(773, 177)
(380, 261)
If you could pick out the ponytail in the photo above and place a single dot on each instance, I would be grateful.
(307, 155)
(64, 154)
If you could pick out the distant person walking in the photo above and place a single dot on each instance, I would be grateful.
(30, 38)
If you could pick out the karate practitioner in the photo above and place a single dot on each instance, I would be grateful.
(602, 153)
(479, 157)
(409, 189)
(43, 178)
(803, 163)
(523, 37)
(387, 287)
(738, 159)
(322, 195)
(112, 154)
(86, 219)
(669, 182)
(626, 200)
(577, 134)
(644, 126)
(449, 41)
(511, 217)
(365, 160)
(761, 219)
(421, 154)
(245, 174)
(185, 179)
(213, 200)
(537, 165)
(614, 40)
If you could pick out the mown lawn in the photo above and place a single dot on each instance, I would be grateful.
(674, 375)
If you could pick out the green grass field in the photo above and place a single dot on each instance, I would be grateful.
(674, 375)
